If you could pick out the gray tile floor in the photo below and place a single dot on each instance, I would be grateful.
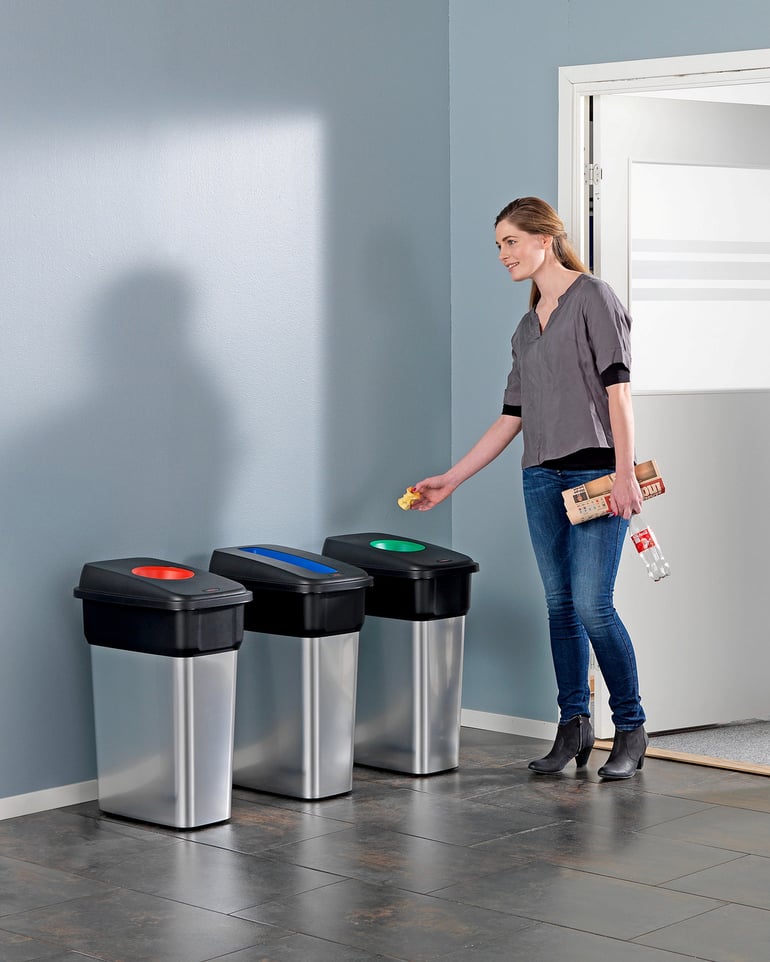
(487, 863)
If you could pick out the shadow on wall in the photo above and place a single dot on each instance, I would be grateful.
(135, 467)
(136, 456)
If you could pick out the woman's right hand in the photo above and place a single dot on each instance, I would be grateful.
(495, 439)
(433, 491)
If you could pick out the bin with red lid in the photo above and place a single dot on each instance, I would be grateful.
(164, 640)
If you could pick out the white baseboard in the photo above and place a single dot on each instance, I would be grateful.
(47, 799)
(87, 791)
(509, 724)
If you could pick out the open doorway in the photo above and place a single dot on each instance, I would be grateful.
(701, 635)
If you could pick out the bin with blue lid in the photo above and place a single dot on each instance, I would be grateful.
(164, 641)
(297, 669)
(410, 651)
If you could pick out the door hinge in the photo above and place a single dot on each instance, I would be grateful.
(593, 174)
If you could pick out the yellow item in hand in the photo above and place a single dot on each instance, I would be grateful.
(408, 498)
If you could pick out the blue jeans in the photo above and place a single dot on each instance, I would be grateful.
(578, 565)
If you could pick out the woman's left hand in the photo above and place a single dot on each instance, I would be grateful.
(626, 496)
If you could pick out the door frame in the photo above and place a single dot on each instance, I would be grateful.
(576, 84)
(583, 80)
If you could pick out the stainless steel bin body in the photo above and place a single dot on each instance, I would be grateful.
(164, 735)
(409, 693)
(295, 711)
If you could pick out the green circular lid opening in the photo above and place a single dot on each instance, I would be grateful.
(397, 545)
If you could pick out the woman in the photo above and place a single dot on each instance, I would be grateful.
(569, 394)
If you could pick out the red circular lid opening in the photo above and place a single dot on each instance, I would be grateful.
(163, 572)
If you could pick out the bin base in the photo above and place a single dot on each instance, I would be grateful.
(408, 698)
(294, 716)
(164, 735)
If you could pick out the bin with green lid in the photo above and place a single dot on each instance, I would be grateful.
(164, 641)
(410, 650)
(297, 669)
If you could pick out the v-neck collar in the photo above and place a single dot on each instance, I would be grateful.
(541, 330)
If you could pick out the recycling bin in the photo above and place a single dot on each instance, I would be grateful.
(410, 651)
(164, 643)
(296, 689)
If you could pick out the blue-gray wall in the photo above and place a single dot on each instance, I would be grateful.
(224, 303)
(226, 297)
(504, 60)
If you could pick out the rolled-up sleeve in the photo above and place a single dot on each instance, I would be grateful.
(616, 374)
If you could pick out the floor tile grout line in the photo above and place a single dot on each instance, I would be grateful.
(693, 798)
(601, 875)
(51, 905)
(114, 889)
(614, 938)
(58, 946)
(553, 861)
(739, 856)
(671, 925)
(716, 848)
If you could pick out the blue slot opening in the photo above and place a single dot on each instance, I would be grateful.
(293, 559)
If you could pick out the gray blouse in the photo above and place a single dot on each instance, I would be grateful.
(556, 377)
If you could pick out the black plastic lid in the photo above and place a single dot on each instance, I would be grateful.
(396, 557)
(152, 583)
(287, 569)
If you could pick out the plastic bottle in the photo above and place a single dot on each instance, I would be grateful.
(644, 540)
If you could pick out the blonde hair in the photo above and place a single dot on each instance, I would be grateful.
(535, 216)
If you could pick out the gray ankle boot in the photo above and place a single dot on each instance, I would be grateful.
(574, 739)
(627, 755)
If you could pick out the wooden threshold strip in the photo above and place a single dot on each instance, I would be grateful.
(749, 768)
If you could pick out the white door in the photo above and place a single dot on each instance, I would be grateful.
(682, 223)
